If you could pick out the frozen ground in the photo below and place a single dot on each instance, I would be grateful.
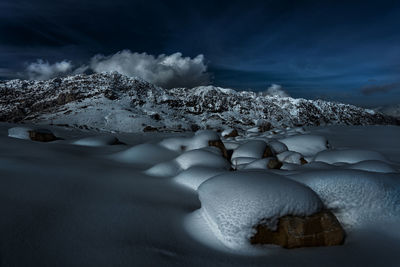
(82, 202)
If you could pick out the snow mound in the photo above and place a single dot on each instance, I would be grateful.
(233, 203)
(307, 145)
(19, 132)
(145, 153)
(373, 166)
(199, 140)
(258, 164)
(195, 176)
(95, 141)
(250, 149)
(356, 197)
(278, 147)
(197, 157)
(348, 156)
(290, 157)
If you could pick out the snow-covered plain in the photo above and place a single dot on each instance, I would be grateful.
(83, 202)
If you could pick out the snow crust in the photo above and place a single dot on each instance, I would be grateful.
(235, 202)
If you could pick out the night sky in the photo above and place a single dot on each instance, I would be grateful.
(345, 51)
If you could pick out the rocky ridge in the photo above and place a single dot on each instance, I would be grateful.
(113, 102)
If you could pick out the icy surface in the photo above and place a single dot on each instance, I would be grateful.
(235, 202)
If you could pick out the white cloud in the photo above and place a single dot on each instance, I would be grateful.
(275, 90)
(165, 70)
(43, 70)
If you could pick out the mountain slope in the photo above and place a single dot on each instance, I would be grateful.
(113, 102)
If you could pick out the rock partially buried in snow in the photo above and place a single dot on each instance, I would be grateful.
(40, 135)
(291, 157)
(319, 229)
(197, 157)
(229, 133)
(95, 141)
(253, 149)
(236, 202)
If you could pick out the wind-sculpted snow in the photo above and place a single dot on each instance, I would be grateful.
(113, 102)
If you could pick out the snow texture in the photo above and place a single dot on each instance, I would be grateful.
(235, 202)
(348, 156)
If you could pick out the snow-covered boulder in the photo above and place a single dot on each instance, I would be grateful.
(197, 157)
(19, 132)
(195, 176)
(235, 202)
(277, 147)
(348, 156)
(228, 133)
(252, 149)
(41, 135)
(145, 153)
(307, 145)
(265, 163)
(373, 166)
(94, 141)
(357, 197)
(291, 157)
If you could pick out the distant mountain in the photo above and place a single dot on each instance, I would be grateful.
(390, 110)
(113, 102)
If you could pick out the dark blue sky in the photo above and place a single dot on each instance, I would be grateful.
(338, 50)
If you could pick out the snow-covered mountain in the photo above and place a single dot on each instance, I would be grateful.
(113, 102)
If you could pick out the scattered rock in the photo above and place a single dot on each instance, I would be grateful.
(264, 127)
(274, 164)
(303, 161)
(42, 135)
(150, 129)
(320, 229)
(231, 133)
(155, 116)
(221, 146)
(267, 152)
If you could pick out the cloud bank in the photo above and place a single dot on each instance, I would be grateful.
(275, 90)
(43, 70)
(167, 71)
(381, 88)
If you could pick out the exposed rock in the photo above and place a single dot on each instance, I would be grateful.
(274, 164)
(42, 135)
(221, 146)
(267, 152)
(150, 129)
(233, 133)
(303, 161)
(264, 127)
(320, 229)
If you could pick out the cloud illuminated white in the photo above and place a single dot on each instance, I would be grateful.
(43, 70)
(164, 70)
(167, 71)
(275, 90)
